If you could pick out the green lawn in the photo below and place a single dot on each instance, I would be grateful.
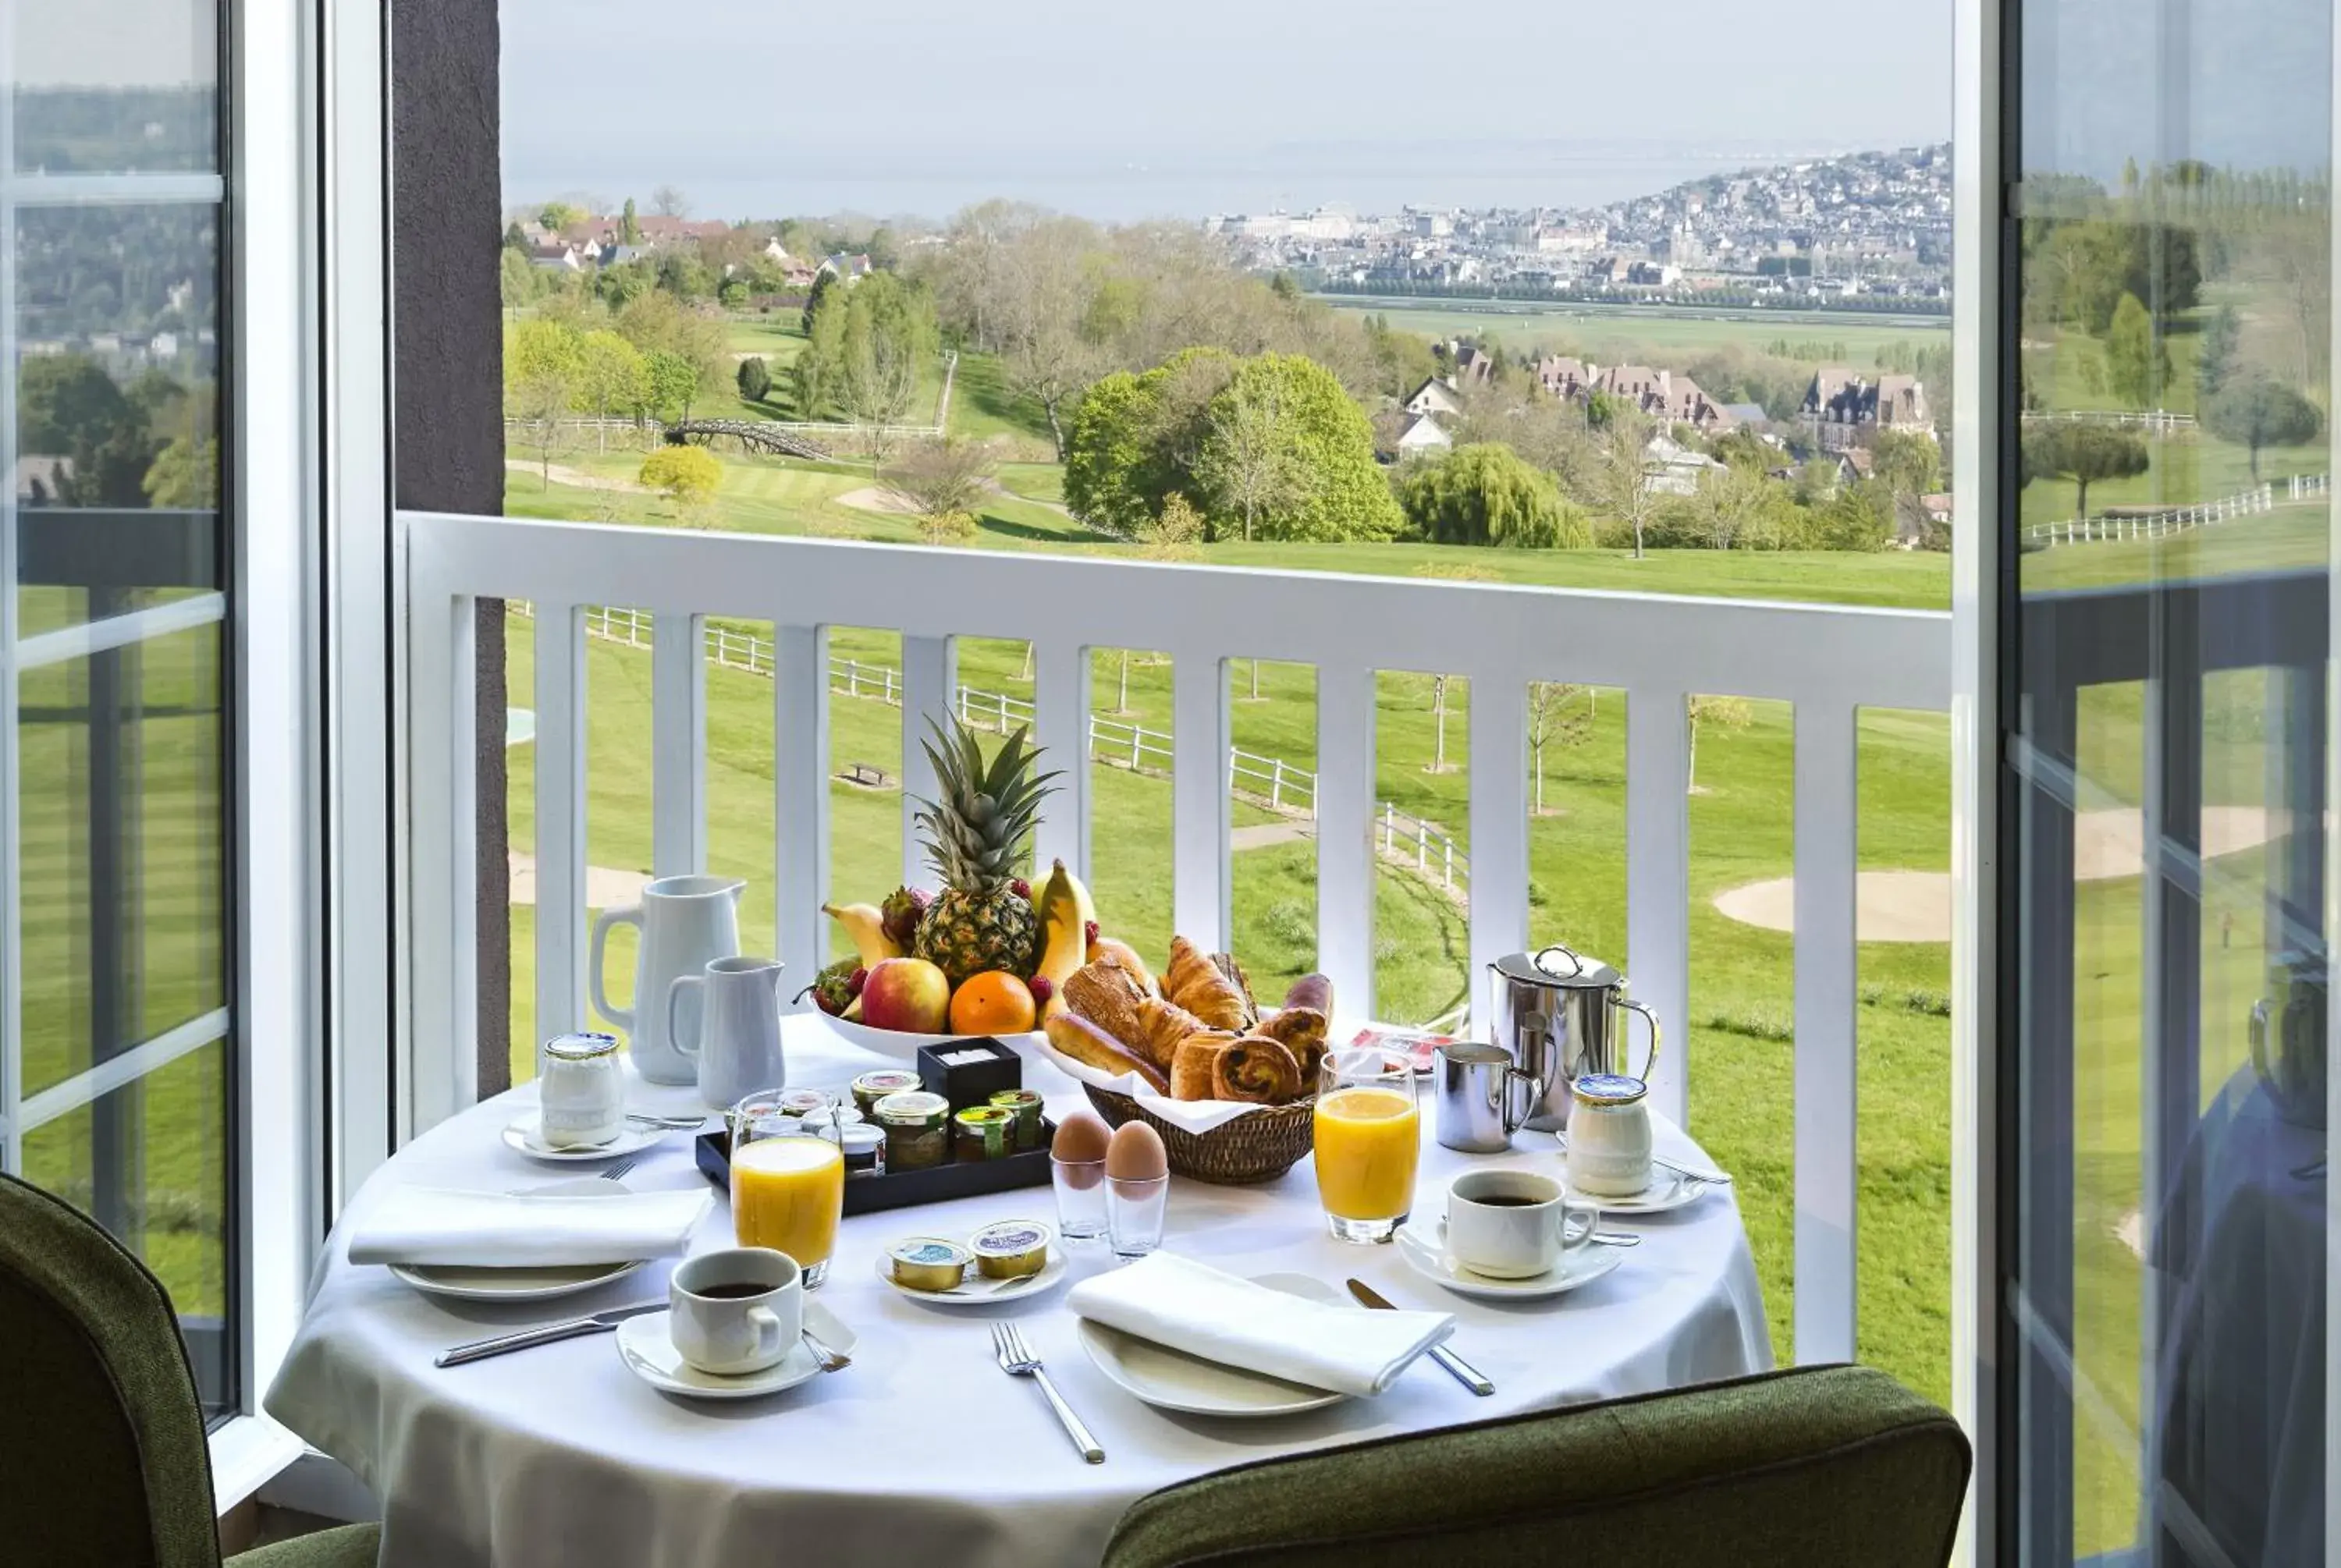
(1612, 334)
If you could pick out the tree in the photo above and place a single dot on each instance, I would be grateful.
(2138, 364)
(516, 279)
(1724, 713)
(883, 338)
(543, 366)
(1438, 712)
(2084, 453)
(1250, 465)
(68, 406)
(755, 379)
(2216, 356)
(1107, 457)
(186, 474)
(1550, 723)
(1338, 490)
(942, 479)
(1909, 464)
(2255, 413)
(1044, 287)
(686, 475)
(821, 285)
(1729, 503)
(671, 386)
(1485, 494)
(560, 216)
(1621, 481)
(611, 378)
(1172, 536)
(668, 203)
(630, 228)
(2295, 252)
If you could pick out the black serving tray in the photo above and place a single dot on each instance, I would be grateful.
(904, 1189)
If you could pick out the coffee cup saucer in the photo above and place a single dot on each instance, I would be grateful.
(1425, 1251)
(647, 1348)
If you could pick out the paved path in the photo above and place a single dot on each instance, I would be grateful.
(604, 888)
(562, 473)
(1262, 835)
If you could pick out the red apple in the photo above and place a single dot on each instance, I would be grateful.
(906, 994)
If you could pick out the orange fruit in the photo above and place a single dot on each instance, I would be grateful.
(992, 1003)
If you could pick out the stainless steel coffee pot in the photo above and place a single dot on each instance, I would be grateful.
(1557, 1014)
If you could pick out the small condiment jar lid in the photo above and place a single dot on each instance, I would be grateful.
(582, 1046)
(1608, 1089)
(912, 1108)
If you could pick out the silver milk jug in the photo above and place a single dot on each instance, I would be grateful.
(1557, 1014)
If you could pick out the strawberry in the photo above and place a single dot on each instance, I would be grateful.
(1090, 931)
(1041, 987)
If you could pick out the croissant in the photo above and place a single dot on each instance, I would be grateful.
(1195, 983)
(1301, 1031)
(1222, 1067)
(1158, 1027)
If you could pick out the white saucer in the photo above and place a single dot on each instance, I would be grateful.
(531, 1283)
(1419, 1243)
(978, 1291)
(522, 1137)
(649, 1353)
(1666, 1192)
(1171, 1379)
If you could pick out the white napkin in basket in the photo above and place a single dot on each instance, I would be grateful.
(1191, 1306)
(504, 1230)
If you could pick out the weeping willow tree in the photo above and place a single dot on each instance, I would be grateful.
(1487, 493)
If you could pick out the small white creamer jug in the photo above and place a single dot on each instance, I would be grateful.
(738, 1037)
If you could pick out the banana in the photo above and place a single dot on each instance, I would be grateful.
(1065, 912)
(864, 923)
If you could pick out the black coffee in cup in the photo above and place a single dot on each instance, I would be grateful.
(730, 1291)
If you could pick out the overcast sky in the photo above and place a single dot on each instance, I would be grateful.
(762, 108)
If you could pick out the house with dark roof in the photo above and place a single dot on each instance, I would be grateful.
(1842, 410)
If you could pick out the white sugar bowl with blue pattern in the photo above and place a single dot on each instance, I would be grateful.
(1610, 1135)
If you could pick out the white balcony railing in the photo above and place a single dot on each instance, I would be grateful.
(1828, 662)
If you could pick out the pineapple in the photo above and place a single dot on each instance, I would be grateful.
(976, 829)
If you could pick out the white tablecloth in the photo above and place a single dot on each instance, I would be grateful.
(923, 1451)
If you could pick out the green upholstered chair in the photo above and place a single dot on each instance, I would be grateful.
(103, 1461)
(1816, 1468)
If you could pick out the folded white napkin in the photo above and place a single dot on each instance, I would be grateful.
(503, 1230)
(1192, 1307)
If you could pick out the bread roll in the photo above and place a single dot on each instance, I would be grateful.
(1090, 1046)
(1311, 991)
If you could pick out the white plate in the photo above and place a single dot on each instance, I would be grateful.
(644, 1345)
(531, 1283)
(1666, 1192)
(1419, 1244)
(897, 1043)
(978, 1291)
(522, 1137)
(1172, 1380)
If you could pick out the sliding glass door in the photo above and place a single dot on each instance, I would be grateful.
(2163, 1176)
(117, 1055)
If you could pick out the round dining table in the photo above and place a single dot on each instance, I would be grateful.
(922, 1449)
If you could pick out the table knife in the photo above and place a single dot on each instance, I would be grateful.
(1462, 1371)
(547, 1333)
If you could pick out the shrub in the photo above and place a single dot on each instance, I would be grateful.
(686, 475)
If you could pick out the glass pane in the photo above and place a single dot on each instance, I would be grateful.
(116, 86)
(2174, 334)
(124, 863)
(150, 1162)
(117, 409)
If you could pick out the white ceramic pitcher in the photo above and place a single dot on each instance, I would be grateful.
(685, 921)
(738, 1040)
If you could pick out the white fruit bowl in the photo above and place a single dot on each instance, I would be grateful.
(905, 1046)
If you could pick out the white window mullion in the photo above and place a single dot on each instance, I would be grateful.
(12, 1156)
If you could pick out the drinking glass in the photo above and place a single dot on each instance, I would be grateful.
(1369, 1139)
(1081, 1197)
(1133, 1214)
(788, 1191)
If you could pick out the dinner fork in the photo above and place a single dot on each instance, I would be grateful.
(616, 1169)
(1017, 1360)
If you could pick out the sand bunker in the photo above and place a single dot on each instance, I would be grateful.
(604, 888)
(878, 498)
(1915, 905)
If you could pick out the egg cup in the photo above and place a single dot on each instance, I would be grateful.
(1081, 1197)
(1134, 1213)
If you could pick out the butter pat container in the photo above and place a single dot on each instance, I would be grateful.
(1011, 1248)
(970, 1072)
(927, 1262)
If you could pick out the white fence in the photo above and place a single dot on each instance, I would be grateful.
(1829, 661)
(2161, 421)
(2105, 529)
(1405, 839)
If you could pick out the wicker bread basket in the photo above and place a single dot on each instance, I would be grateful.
(1258, 1146)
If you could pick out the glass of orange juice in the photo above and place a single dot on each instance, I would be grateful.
(788, 1192)
(1369, 1139)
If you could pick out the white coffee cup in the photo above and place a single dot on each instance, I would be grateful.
(1513, 1224)
(736, 1311)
